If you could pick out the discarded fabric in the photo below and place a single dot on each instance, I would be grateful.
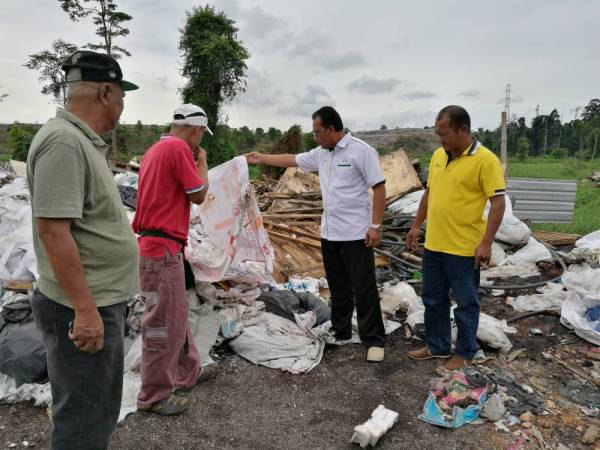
(287, 304)
(453, 402)
(227, 239)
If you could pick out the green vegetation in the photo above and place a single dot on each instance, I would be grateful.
(19, 140)
(214, 64)
(587, 204)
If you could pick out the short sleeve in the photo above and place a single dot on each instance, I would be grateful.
(186, 171)
(370, 167)
(58, 183)
(492, 177)
(309, 161)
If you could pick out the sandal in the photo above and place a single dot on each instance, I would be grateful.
(170, 406)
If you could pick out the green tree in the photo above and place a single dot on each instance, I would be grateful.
(48, 63)
(592, 131)
(274, 134)
(259, 133)
(110, 25)
(214, 60)
(383, 127)
(19, 140)
(523, 147)
(109, 21)
(591, 110)
(308, 141)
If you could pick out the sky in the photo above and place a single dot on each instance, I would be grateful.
(392, 62)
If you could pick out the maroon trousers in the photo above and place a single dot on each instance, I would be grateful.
(169, 355)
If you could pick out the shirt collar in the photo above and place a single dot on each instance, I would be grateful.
(469, 151)
(343, 142)
(90, 134)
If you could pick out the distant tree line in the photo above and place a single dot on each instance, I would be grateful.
(548, 135)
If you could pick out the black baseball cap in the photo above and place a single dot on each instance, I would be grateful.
(95, 67)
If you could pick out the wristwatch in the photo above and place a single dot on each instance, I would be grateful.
(375, 226)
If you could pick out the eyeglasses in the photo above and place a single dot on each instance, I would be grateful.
(317, 132)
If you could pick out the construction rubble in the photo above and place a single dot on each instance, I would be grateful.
(261, 292)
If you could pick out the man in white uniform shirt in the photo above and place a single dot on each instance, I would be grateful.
(350, 225)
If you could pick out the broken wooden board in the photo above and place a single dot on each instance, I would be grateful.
(552, 238)
(18, 286)
(401, 177)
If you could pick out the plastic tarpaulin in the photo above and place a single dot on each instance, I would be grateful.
(227, 237)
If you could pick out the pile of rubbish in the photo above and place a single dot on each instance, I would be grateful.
(254, 247)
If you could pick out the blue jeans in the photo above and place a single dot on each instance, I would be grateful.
(442, 272)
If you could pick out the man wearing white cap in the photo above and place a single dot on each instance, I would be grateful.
(169, 180)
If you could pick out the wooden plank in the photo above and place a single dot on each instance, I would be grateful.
(295, 239)
(18, 286)
(291, 216)
(554, 238)
(400, 175)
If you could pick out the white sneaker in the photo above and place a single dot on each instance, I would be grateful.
(375, 354)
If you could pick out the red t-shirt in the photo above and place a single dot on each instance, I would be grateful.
(167, 175)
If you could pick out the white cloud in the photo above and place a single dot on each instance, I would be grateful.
(372, 86)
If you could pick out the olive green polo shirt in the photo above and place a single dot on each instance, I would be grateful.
(69, 178)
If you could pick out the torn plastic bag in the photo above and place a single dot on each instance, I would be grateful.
(583, 279)
(409, 204)
(128, 196)
(452, 402)
(22, 353)
(287, 304)
(589, 241)
(401, 296)
(498, 255)
(550, 298)
(573, 316)
(512, 230)
(227, 239)
(533, 252)
(127, 179)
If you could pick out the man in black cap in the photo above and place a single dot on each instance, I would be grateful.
(86, 254)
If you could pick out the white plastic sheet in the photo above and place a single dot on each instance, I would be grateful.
(550, 298)
(227, 238)
(573, 316)
(589, 241)
(533, 252)
(511, 230)
(401, 296)
(409, 204)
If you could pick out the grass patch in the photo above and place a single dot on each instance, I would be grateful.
(4, 157)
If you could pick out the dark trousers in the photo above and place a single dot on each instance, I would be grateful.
(86, 388)
(442, 272)
(350, 270)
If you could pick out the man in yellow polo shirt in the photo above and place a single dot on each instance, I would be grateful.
(463, 176)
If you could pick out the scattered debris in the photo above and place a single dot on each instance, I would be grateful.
(382, 419)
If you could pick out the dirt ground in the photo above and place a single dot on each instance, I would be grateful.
(248, 406)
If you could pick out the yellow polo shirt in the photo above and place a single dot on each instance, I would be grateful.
(458, 192)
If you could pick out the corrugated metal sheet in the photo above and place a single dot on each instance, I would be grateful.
(543, 201)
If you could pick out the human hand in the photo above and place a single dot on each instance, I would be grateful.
(87, 331)
(254, 158)
(373, 237)
(412, 238)
(483, 253)
(200, 155)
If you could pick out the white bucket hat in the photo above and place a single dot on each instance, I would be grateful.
(189, 114)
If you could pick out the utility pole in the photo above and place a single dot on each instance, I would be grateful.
(507, 101)
(503, 119)
(503, 149)
(537, 110)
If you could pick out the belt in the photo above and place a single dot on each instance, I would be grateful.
(162, 234)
